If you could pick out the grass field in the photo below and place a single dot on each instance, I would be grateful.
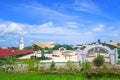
(39, 76)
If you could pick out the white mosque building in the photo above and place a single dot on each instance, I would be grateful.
(21, 43)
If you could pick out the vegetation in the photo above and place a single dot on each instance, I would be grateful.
(55, 76)
(50, 50)
(52, 65)
(86, 66)
(70, 65)
(28, 47)
(68, 47)
(35, 47)
(98, 61)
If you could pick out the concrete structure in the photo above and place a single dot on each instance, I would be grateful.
(21, 44)
(114, 44)
(44, 44)
(62, 49)
(113, 54)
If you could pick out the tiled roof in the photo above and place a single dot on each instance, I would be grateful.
(10, 51)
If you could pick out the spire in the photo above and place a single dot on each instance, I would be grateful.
(21, 44)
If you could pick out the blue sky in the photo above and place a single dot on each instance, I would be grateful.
(61, 21)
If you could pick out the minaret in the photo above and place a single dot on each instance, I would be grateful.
(21, 45)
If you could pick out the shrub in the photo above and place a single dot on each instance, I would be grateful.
(104, 67)
(70, 65)
(98, 61)
(86, 66)
(52, 66)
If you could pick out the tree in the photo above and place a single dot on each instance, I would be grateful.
(99, 61)
(36, 47)
(46, 48)
(111, 41)
(50, 50)
(68, 47)
(99, 41)
(28, 47)
(52, 65)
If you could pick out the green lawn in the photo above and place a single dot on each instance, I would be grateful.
(39, 76)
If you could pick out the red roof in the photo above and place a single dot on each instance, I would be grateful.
(10, 51)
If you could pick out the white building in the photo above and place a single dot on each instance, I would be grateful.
(21, 45)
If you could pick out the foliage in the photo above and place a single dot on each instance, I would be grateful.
(28, 47)
(1, 62)
(104, 67)
(31, 64)
(70, 65)
(99, 41)
(46, 48)
(99, 60)
(9, 60)
(36, 47)
(42, 54)
(50, 50)
(42, 76)
(52, 65)
(68, 47)
(86, 66)
(119, 53)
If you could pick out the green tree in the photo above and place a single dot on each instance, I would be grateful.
(99, 41)
(36, 47)
(46, 48)
(52, 65)
(99, 61)
(50, 50)
(28, 47)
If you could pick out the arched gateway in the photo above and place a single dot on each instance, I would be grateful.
(113, 54)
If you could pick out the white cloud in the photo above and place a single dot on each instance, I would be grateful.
(98, 28)
(38, 10)
(11, 28)
(86, 6)
(73, 24)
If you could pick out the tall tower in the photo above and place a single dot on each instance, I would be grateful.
(21, 45)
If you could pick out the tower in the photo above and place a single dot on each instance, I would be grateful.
(21, 45)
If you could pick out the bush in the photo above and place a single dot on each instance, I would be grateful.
(104, 67)
(70, 65)
(86, 66)
(98, 61)
(52, 66)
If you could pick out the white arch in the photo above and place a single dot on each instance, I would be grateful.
(107, 49)
(62, 49)
(113, 54)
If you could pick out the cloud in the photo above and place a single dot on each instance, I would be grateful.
(38, 10)
(98, 28)
(73, 24)
(47, 31)
(86, 6)
(51, 31)
(11, 28)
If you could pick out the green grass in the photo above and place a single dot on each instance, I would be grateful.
(39, 76)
